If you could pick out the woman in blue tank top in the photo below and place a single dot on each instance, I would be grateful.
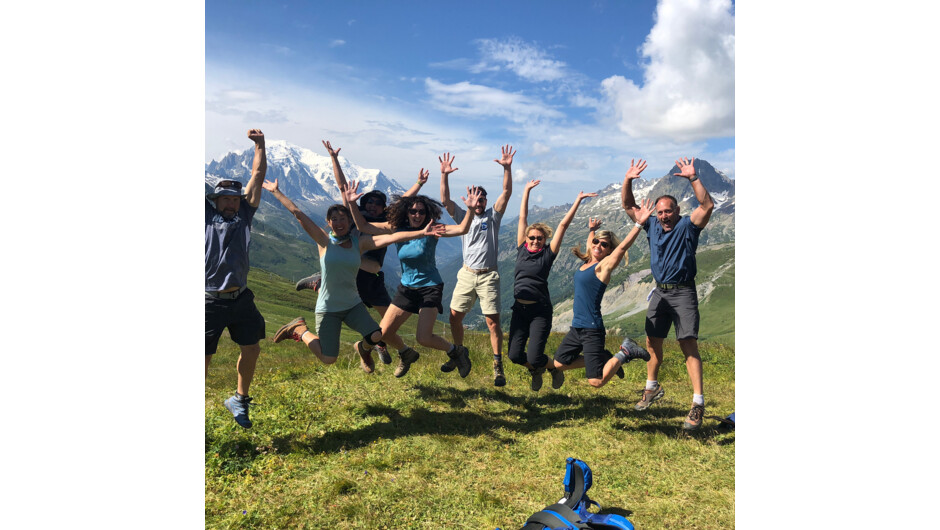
(587, 333)
(422, 287)
(532, 311)
(338, 300)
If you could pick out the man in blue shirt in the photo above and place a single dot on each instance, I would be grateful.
(229, 302)
(673, 240)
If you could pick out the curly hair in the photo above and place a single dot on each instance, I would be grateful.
(397, 213)
(599, 234)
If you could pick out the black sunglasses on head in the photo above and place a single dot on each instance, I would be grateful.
(229, 185)
(604, 244)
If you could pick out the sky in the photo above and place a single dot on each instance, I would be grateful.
(578, 89)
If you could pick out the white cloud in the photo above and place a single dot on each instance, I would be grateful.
(467, 99)
(688, 83)
(337, 42)
(524, 59)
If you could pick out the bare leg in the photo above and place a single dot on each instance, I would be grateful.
(208, 360)
(693, 364)
(578, 363)
(496, 333)
(456, 326)
(655, 346)
(390, 337)
(609, 370)
(425, 332)
(393, 318)
(246, 366)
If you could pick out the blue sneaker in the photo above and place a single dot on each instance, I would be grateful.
(238, 406)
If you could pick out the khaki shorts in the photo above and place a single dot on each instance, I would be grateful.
(471, 286)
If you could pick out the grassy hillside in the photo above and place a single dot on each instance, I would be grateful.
(333, 447)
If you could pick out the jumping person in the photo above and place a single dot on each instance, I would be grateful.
(370, 280)
(422, 287)
(338, 300)
(479, 277)
(229, 302)
(673, 240)
(587, 331)
(532, 312)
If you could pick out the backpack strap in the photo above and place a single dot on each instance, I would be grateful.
(556, 516)
(577, 482)
(608, 521)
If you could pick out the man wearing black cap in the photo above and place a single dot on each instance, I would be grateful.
(229, 302)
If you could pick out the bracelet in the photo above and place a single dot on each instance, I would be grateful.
(638, 225)
(693, 178)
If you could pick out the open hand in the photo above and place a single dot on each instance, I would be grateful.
(423, 176)
(582, 195)
(329, 148)
(506, 159)
(473, 196)
(646, 209)
(594, 223)
(635, 170)
(531, 184)
(270, 186)
(446, 162)
(686, 168)
(434, 229)
(350, 192)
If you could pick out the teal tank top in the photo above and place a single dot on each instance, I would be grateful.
(339, 267)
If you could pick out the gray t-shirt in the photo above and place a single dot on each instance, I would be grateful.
(227, 243)
(481, 243)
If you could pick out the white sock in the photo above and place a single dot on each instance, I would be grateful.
(651, 384)
(698, 399)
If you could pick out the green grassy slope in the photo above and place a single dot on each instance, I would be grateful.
(333, 447)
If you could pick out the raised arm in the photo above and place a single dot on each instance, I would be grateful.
(350, 195)
(416, 187)
(524, 211)
(258, 169)
(506, 162)
(703, 213)
(626, 191)
(337, 171)
(308, 225)
(608, 264)
(593, 225)
(566, 221)
(473, 195)
(446, 169)
(384, 240)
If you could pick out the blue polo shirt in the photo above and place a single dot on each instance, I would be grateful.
(672, 253)
(227, 243)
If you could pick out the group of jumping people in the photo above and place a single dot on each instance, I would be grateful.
(352, 249)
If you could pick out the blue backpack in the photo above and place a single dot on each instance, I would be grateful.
(571, 512)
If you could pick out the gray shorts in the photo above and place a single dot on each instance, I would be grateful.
(679, 306)
(330, 323)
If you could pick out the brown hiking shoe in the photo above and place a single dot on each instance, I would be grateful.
(405, 359)
(649, 396)
(694, 420)
(290, 330)
(365, 358)
(499, 378)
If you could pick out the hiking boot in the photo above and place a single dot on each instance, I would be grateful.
(620, 373)
(365, 358)
(310, 282)
(289, 330)
(694, 420)
(633, 350)
(238, 406)
(461, 357)
(405, 360)
(649, 396)
(449, 366)
(558, 378)
(383, 354)
(536, 378)
(499, 378)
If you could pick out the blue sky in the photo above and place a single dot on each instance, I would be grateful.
(578, 88)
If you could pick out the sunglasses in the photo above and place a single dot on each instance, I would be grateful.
(604, 244)
(536, 238)
(375, 201)
(416, 211)
(229, 185)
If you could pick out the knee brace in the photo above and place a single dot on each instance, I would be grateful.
(368, 338)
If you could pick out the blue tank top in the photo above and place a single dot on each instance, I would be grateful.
(588, 292)
(418, 264)
(339, 267)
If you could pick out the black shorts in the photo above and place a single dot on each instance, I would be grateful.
(591, 342)
(372, 289)
(679, 306)
(413, 299)
(243, 320)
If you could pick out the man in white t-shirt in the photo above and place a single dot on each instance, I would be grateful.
(478, 277)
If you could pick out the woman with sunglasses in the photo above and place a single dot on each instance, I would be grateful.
(422, 287)
(532, 310)
(338, 300)
(587, 333)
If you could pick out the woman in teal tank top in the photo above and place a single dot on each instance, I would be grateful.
(422, 286)
(587, 333)
(338, 300)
